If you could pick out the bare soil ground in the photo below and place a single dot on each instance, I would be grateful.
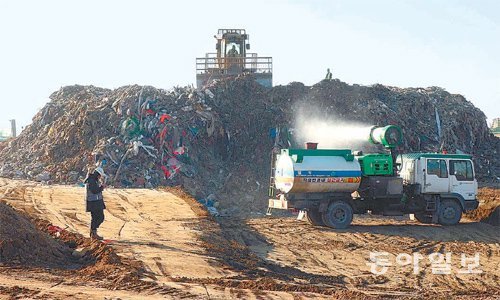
(162, 244)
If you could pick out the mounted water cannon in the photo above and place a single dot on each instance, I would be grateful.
(390, 136)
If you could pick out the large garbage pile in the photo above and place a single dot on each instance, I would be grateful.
(432, 119)
(216, 142)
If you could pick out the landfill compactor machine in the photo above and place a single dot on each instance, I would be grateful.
(328, 186)
(232, 59)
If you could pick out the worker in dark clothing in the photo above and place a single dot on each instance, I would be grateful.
(95, 200)
(232, 52)
(328, 75)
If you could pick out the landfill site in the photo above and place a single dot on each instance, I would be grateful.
(193, 198)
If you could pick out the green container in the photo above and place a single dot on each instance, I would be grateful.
(376, 164)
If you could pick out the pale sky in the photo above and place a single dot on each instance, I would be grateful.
(49, 44)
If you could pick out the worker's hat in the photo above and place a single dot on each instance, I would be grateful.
(100, 171)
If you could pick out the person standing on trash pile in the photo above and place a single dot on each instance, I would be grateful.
(95, 201)
(328, 75)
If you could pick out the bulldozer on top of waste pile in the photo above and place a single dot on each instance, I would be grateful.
(329, 186)
(232, 59)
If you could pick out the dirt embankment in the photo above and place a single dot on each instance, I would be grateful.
(33, 245)
(163, 244)
(22, 243)
(151, 231)
(489, 207)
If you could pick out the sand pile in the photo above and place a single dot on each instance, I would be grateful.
(489, 207)
(21, 243)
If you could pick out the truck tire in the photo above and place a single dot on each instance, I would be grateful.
(338, 215)
(423, 218)
(314, 217)
(450, 212)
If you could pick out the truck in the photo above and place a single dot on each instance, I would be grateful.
(329, 186)
(232, 59)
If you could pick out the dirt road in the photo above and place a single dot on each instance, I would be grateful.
(190, 255)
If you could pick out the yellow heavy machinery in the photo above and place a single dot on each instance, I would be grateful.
(232, 59)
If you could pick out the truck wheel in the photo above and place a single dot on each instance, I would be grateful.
(314, 217)
(423, 218)
(450, 212)
(338, 215)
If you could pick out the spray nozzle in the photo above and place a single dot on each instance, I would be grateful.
(390, 136)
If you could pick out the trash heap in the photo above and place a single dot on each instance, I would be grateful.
(432, 119)
(215, 142)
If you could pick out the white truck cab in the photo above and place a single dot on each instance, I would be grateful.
(446, 175)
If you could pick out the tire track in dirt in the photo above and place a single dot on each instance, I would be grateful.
(129, 207)
(350, 250)
(226, 242)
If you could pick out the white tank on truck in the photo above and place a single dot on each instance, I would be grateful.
(317, 171)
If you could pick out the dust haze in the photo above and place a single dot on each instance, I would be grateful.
(329, 131)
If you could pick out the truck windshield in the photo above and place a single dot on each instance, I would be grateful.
(233, 50)
(462, 169)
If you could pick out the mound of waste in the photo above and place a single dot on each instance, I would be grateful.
(216, 142)
(21, 243)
